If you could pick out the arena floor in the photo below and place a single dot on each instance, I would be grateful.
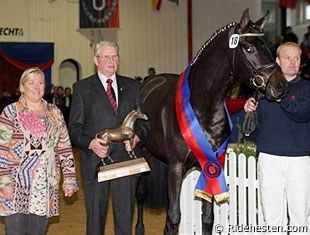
(72, 219)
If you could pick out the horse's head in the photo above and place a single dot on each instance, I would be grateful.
(252, 58)
(139, 115)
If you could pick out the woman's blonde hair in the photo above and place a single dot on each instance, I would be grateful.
(28, 73)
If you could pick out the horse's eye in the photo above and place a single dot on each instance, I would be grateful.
(249, 49)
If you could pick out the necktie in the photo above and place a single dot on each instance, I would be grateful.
(111, 95)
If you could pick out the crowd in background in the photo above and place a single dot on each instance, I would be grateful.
(58, 95)
(8, 98)
(61, 98)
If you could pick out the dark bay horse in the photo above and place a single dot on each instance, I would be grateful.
(237, 48)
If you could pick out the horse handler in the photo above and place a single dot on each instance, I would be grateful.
(284, 147)
(99, 102)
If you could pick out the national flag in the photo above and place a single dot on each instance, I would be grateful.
(287, 3)
(156, 4)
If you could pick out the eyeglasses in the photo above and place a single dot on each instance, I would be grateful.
(108, 57)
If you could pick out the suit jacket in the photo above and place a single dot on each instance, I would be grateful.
(91, 112)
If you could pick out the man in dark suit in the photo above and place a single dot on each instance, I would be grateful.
(91, 112)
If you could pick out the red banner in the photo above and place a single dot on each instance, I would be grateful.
(287, 3)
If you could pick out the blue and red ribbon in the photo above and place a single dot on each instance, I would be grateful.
(211, 182)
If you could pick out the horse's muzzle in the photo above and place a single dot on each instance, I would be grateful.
(277, 86)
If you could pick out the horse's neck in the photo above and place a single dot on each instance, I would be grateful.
(209, 86)
(129, 120)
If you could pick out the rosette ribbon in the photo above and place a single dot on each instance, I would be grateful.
(211, 182)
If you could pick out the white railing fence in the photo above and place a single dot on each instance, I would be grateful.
(243, 208)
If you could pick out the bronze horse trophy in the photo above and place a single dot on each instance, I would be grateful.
(124, 132)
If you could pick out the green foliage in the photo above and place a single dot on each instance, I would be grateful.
(247, 147)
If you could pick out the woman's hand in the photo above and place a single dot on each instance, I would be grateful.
(69, 192)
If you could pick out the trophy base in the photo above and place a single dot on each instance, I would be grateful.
(121, 169)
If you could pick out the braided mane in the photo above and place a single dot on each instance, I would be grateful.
(211, 39)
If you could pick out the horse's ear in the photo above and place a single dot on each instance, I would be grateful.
(245, 19)
(263, 21)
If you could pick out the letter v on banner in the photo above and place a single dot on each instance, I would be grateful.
(99, 14)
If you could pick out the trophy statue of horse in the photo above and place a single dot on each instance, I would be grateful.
(124, 132)
(194, 104)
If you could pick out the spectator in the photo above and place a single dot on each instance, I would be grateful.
(305, 44)
(16, 95)
(59, 97)
(67, 104)
(289, 35)
(151, 73)
(5, 100)
(279, 41)
(305, 58)
(51, 96)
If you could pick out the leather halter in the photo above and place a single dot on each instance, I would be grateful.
(257, 78)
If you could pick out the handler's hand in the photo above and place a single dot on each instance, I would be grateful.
(99, 147)
(250, 105)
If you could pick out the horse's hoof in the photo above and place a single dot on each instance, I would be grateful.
(132, 154)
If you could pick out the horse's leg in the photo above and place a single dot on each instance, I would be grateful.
(175, 177)
(130, 151)
(207, 217)
(140, 196)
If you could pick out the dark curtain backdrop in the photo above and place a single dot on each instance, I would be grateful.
(15, 57)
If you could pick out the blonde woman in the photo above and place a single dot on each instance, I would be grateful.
(35, 151)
